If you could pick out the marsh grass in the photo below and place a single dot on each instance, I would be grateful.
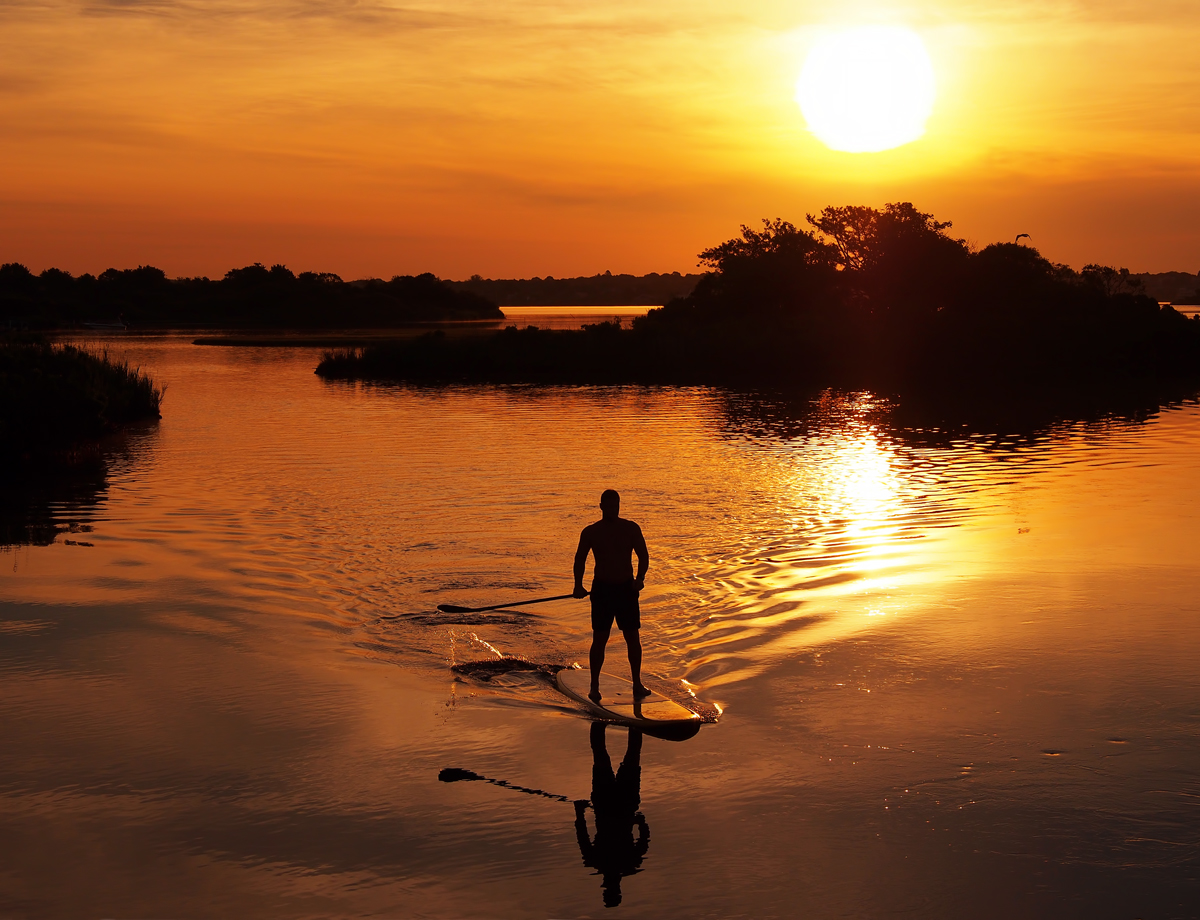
(58, 401)
(58, 404)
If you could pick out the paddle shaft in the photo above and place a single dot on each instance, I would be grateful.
(453, 775)
(454, 608)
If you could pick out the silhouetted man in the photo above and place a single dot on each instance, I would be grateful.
(615, 800)
(611, 541)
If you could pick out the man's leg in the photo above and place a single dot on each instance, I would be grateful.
(633, 641)
(602, 771)
(596, 658)
(632, 762)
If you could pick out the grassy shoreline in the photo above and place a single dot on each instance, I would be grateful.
(57, 401)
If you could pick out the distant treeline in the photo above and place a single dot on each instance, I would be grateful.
(865, 297)
(595, 291)
(254, 296)
(1170, 287)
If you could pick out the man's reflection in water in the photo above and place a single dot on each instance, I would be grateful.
(615, 799)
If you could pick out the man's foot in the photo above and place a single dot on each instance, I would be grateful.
(594, 695)
(641, 691)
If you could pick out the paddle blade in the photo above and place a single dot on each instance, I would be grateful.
(454, 774)
(453, 608)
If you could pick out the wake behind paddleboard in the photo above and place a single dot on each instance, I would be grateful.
(617, 701)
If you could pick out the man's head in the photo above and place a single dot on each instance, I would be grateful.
(610, 503)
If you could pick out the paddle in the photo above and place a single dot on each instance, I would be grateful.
(455, 774)
(454, 608)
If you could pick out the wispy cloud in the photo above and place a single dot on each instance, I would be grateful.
(414, 112)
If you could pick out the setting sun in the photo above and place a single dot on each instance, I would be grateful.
(867, 89)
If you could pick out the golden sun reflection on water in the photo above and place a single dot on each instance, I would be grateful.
(856, 550)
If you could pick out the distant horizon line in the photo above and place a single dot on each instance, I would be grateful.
(473, 278)
(468, 280)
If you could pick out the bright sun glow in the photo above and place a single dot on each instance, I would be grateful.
(867, 89)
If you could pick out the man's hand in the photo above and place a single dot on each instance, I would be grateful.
(638, 585)
(579, 591)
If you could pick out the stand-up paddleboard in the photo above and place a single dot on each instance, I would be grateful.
(617, 701)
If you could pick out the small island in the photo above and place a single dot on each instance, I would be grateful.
(865, 298)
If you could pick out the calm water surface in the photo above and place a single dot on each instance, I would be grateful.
(958, 672)
(569, 317)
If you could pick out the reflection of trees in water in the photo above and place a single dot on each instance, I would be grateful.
(39, 504)
(36, 507)
(614, 852)
(777, 417)
(1010, 417)
(937, 420)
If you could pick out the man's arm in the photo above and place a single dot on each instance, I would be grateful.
(643, 840)
(643, 556)
(581, 554)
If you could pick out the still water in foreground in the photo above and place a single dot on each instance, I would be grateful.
(958, 672)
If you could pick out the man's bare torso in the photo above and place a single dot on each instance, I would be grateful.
(612, 543)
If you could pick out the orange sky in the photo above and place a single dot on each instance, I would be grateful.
(561, 137)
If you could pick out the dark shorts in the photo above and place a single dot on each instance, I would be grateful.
(615, 602)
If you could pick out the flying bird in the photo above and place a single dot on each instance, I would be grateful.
(1020, 235)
